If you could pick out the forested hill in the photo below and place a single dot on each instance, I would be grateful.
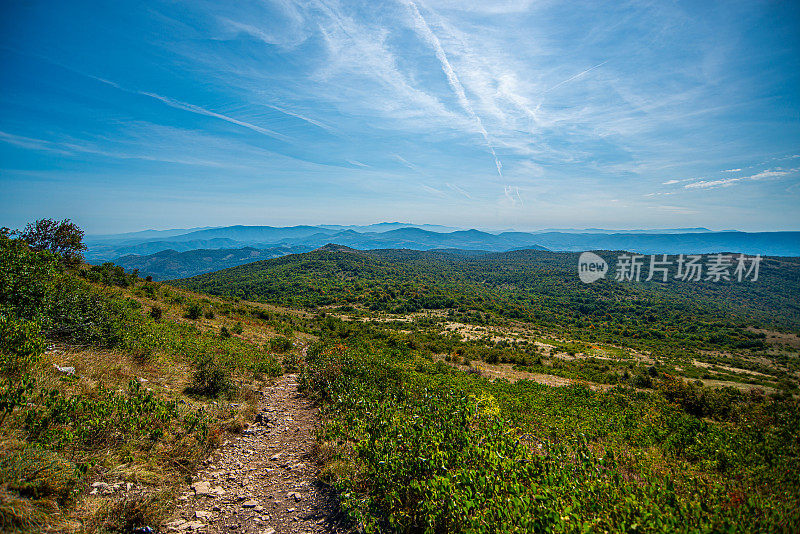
(536, 286)
(169, 264)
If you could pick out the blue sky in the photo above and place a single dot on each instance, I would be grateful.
(509, 114)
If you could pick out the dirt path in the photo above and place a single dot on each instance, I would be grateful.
(263, 481)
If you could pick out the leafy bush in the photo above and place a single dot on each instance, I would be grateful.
(193, 311)
(280, 344)
(156, 313)
(101, 418)
(436, 451)
(21, 345)
(110, 275)
(210, 379)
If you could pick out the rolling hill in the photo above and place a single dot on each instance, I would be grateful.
(168, 264)
(541, 287)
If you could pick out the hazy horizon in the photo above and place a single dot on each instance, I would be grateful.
(445, 228)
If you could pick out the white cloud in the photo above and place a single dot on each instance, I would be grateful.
(726, 182)
(457, 189)
(452, 78)
(202, 111)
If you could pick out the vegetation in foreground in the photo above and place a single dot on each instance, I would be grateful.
(415, 446)
(107, 406)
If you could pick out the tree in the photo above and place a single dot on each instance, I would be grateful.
(62, 238)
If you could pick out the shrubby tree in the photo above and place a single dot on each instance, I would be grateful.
(63, 238)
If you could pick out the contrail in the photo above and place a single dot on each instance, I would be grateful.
(202, 111)
(576, 76)
(452, 78)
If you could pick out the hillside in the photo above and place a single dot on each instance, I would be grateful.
(169, 264)
(535, 286)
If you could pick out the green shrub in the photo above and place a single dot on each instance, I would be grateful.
(280, 344)
(210, 378)
(193, 311)
(21, 345)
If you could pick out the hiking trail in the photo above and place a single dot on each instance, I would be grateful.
(263, 481)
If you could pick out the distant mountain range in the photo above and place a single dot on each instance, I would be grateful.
(147, 250)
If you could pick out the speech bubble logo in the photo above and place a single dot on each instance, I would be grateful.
(591, 267)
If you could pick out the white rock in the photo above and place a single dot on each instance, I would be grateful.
(65, 370)
(201, 488)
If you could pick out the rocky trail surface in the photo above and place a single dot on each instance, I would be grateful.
(264, 480)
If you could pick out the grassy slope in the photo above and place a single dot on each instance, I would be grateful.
(127, 415)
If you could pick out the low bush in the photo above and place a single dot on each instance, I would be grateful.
(210, 378)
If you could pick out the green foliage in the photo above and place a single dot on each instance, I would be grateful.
(280, 344)
(102, 417)
(63, 238)
(27, 279)
(21, 345)
(237, 328)
(210, 378)
(437, 451)
(535, 286)
(193, 311)
(109, 274)
(54, 438)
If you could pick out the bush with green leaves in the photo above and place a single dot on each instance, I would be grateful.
(280, 344)
(210, 378)
(193, 311)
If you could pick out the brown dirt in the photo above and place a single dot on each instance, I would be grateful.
(778, 338)
(264, 481)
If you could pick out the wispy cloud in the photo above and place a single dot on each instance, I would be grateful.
(452, 78)
(192, 108)
(575, 77)
(177, 104)
(732, 170)
(357, 163)
(726, 182)
(31, 143)
(301, 117)
(434, 191)
(457, 189)
(407, 163)
(512, 195)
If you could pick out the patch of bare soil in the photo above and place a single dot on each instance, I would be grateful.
(264, 481)
(778, 338)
